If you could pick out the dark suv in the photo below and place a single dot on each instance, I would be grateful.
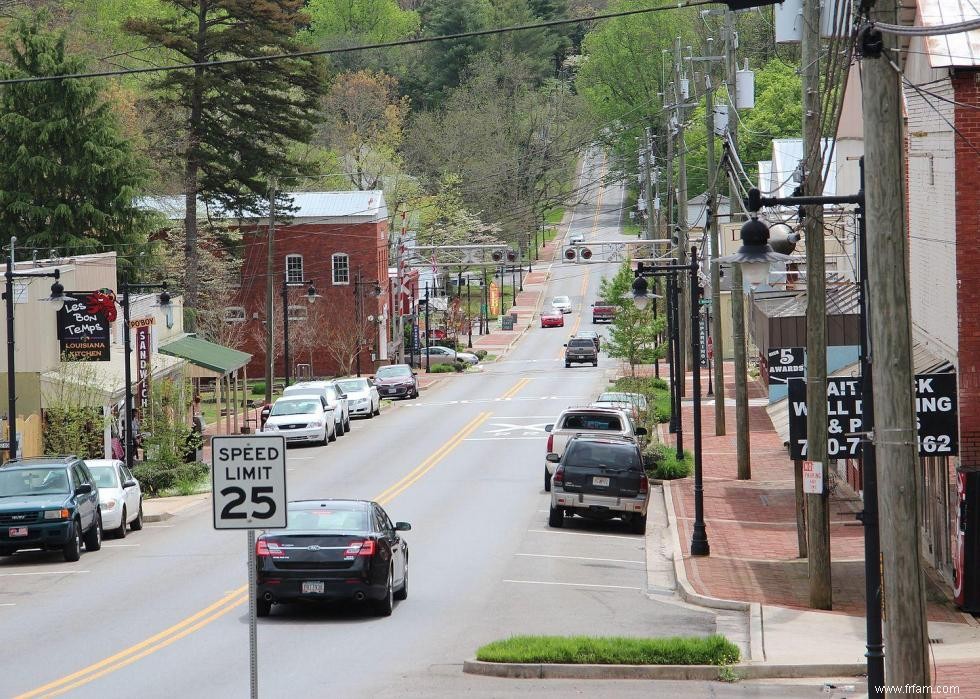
(49, 502)
(600, 478)
(581, 350)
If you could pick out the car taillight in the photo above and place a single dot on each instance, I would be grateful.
(644, 485)
(360, 548)
(268, 549)
(551, 443)
(559, 478)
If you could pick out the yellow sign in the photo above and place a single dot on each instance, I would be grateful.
(494, 299)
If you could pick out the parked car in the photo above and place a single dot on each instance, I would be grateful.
(333, 549)
(120, 496)
(396, 381)
(562, 304)
(362, 396)
(447, 355)
(334, 396)
(581, 350)
(552, 319)
(303, 418)
(600, 478)
(590, 335)
(603, 312)
(576, 238)
(586, 420)
(49, 502)
(636, 403)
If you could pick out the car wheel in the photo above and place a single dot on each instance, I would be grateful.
(638, 524)
(402, 592)
(347, 424)
(121, 532)
(556, 517)
(262, 607)
(138, 522)
(547, 480)
(415, 393)
(386, 604)
(326, 437)
(339, 428)
(595, 363)
(93, 537)
(333, 435)
(73, 547)
(568, 364)
(377, 411)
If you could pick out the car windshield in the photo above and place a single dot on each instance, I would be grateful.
(105, 476)
(591, 421)
(591, 455)
(581, 342)
(636, 399)
(295, 406)
(33, 481)
(393, 372)
(560, 299)
(336, 518)
(353, 385)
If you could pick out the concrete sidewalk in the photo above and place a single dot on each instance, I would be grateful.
(751, 528)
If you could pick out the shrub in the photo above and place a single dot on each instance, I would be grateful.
(618, 650)
(662, 462)
(459, 367)
(442, 369)
(258, 388)
(156, 477)
(481, 353)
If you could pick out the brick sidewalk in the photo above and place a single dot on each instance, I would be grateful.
(751, 525)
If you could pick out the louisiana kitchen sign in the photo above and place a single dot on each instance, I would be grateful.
(83, 325)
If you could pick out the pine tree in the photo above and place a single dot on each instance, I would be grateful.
(242, 119)
(68, 179)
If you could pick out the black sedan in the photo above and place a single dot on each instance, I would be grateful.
(333, 550)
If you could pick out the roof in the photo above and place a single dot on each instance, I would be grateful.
(207, 355)
(960, 50)
(842, 299)
(786, 155)
(366, 205)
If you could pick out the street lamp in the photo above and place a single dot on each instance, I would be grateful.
(57, 299)
(756, 254)
(311, 296)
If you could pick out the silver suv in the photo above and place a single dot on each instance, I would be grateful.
(600, 478)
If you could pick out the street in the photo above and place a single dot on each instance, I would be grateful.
(163, 612)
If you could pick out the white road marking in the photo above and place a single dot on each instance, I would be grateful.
(566, 584)
(579, 558)
(44, 572)
(603, 536)
(506, 427)
(498, 439)
(7, 604)
(119, 546)
(158, 526)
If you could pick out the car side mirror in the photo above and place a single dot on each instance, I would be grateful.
(565, 345)
(640, 431)
(548, 428)
(371, 377)
(129, 484)
(402, 526)
(552, 458)
(83, 489)
(415, 373)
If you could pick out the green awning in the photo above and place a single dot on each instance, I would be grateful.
(207, 355)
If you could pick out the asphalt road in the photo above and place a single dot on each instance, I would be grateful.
(163, 612)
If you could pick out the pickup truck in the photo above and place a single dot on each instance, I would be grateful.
(603, 312)
(587, 420)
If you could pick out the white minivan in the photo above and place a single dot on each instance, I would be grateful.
(334, 396)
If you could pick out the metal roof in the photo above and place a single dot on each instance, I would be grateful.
(367, 205)
(207, 355)
(951, 50)
(842, 299)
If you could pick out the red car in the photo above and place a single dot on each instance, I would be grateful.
(552, 319)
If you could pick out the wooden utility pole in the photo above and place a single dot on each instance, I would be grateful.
(683, 297)
(742, 446)
(906, 639)
(717, 345)
(817, 506)
(647, 184)
(270, 309)
(671, 191)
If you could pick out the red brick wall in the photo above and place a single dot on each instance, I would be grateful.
(966, 85)
(366, 244)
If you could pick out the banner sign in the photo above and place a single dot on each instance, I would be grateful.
(142, 338)
(703, 338)
(935, 408)
(83, 325)
(785, 363)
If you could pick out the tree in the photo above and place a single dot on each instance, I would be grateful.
(634, 334)
(362, 21)
(68, 179)
(240, 119)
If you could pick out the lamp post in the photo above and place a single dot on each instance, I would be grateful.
(311, 296)
(58, 298)
(699, 538)
(359, 309)
(164, 302)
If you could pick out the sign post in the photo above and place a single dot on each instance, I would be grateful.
(248, 476)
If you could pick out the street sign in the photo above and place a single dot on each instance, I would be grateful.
(704, 302)
(83, 326)
(249, 481)
(785, 363)
(813, 477)
(703, 338)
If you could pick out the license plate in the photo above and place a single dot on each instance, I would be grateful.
(600, 480)
(313, 587)
(17, 531)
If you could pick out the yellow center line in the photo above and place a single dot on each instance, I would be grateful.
(513, 390)
(238, 596)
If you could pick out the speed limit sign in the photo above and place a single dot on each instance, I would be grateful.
(249, 481)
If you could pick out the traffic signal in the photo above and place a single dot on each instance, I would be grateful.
(496, 255)
(570, 254)
(511, 256)
(585, 254)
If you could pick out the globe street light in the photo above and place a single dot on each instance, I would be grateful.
(756, 254)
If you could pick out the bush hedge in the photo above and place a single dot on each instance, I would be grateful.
(155, 478)
(662, 462)
(612, 650)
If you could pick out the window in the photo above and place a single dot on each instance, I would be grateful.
(294, 269)
(297, 312)
(234, 314)
(341, 268)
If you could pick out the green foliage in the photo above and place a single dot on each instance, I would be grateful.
(73, 429)
(612, 650)
(258, 388)
(335, 22)
(778, 113)
(165, 425)
(634, 334)
(657, 393)
(481, 353)
(68, 178)
(662, 461)
(156, 479)
(442, 369)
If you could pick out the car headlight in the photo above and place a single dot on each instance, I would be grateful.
(270, 428)
(316, 423)
(108, 504)
(63, 513)
(361, 401)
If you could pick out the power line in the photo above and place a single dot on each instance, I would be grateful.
(359, 48)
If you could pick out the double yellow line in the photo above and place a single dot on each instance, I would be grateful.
(513, 390)
(239, 596)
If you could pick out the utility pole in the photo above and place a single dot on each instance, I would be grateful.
(270, 318)
(358, 316)
(906, 638)
(670, 186)
(818, 509)
(683, 297)
(648, 184)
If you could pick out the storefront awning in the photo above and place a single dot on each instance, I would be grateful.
(215, 359)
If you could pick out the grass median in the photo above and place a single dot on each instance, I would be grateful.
(611, 650)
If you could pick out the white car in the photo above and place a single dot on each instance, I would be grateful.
(562, 303)
(362, 396)
(575, 238)
(120, 497)
(334, 396)
(301, 418)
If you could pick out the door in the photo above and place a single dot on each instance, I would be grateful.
(132, 492)
(397, 547)
(88, 503)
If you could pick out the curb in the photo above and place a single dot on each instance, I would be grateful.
(161, 517)
(659, 672)
(171, 513)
